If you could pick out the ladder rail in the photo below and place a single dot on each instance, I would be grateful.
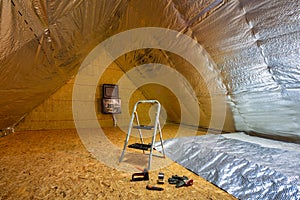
(155, 132)
(128, 134)
(139, 130)
(161, 143)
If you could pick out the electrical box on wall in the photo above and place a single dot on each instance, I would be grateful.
(111, 103)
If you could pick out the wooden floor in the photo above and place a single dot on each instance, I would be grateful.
(54, 164)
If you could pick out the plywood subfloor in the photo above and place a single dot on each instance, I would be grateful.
(53, 164)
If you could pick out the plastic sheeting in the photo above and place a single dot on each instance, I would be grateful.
(255, 45)
(245, 166)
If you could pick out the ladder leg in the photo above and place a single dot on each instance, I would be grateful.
(127, 137)
(161, 140)
(154, 134)
(139, 130)
(152, 145)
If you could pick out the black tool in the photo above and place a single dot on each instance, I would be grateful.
(160, 179)
(142, 176)
(151, 187)
(180, 181)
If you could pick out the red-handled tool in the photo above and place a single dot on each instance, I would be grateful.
(151, 187)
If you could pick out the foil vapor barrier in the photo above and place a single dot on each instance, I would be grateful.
(245, 166)
(254, 46)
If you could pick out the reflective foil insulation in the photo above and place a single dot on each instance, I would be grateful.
(245, 166)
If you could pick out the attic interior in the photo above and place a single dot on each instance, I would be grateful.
(226, 73)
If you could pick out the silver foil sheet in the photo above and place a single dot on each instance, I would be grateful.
(245, 166)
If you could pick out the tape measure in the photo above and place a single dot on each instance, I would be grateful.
(161, 177)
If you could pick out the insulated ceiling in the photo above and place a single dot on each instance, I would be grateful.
(254, 44)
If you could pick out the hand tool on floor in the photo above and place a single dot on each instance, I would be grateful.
(141, 176)
(151, 187)
(180, 181)
(160, 179)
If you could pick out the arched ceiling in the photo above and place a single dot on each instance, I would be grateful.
(254, 44)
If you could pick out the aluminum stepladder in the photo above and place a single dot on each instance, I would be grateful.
(156, 127)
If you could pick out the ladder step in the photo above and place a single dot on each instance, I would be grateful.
(144, 127)
(140, 146)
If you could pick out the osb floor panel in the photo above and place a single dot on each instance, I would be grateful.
(54, 164)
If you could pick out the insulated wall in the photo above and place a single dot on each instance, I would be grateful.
(252, 48)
